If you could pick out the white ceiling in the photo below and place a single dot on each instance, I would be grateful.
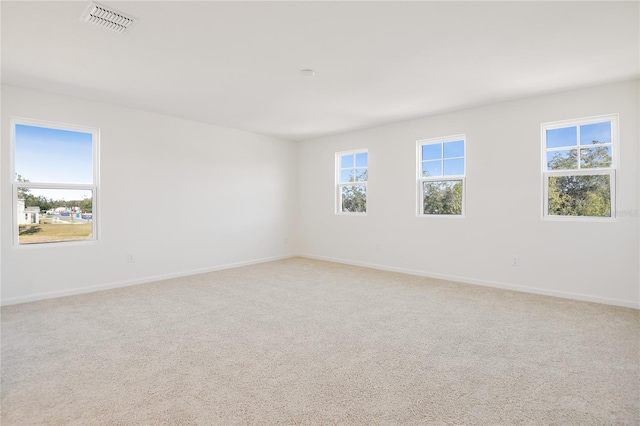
(236, 64)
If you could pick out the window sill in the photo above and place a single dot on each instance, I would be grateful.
(591, 219)
(54, 244)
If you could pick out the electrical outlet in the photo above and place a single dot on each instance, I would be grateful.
(130, 258)
(515, 260)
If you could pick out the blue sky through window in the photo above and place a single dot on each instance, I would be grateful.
(453, 149)
(568, 136)
(53, 155)
(353, 167)
(443, 159)
(565, 136)
(362, 159)
(47, 155)
(600, 132)
(432, 152)
(346, 161)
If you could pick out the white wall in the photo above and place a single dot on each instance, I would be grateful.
(181, 196)
(583, 260)
(253, 191)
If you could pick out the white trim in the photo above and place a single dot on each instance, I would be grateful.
(351, 213)
(127, 283)
(415, 272)
(579, 121)
(484, 283)
(71, 186)
(55, 244)
(451, 138)
(52, 124)
(93, 187)
(12, 179)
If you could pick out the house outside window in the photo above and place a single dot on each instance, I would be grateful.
(55, 182)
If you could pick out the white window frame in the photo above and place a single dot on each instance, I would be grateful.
(610, 171)
(93, 187)
(421, 179)
(340, 185)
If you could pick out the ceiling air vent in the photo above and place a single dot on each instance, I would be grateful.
(107, 18)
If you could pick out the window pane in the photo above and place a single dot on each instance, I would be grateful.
(593, 158)
(582, 195)
(53, 155)
(354, 199)
(595, 133)
(432, 168)
(454, 167)
(454, 149)
(442, 197)
(346, 176)
(361, 175)
(562, 160)
(346, 161)
(53, 215)
(432, 151)
(362, 159)
(566, 136)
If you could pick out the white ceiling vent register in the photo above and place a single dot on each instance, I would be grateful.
(107, 18)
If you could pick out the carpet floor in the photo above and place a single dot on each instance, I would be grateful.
(305, 342)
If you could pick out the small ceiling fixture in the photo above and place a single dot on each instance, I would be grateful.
(107, 18)
(307, 72)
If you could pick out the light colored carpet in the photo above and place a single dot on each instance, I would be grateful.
(308, 342)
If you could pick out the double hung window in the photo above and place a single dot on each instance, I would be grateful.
(441, 176)
(579, 167)
(55, 182)
(352, 175)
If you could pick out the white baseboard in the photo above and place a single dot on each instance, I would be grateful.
(127, 283)
(485, 283)
(466, 280)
